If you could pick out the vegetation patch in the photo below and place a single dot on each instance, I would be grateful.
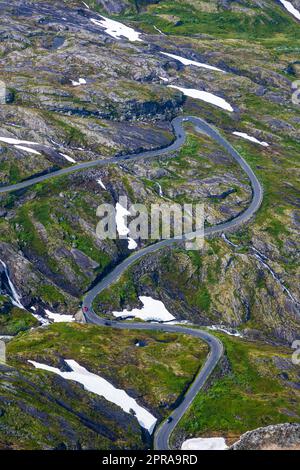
(159, 370)
(16, 320)
(257, 391)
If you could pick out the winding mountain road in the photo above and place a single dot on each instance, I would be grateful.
(163, 432)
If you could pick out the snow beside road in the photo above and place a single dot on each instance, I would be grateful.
(212, 443)
(252, 139)
(117, 30)
(185, 61)
(96, 384)
(152, 310)
(51, 317)
(225, 330)
(291, 9)
(204, 96)
(58, 317)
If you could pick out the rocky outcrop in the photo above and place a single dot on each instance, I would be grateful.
(279, 437)
(239, 291)
(113, 6)
(59, 414)
(119, 6)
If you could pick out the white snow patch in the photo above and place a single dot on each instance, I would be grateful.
(58, 318)
(81, 81)
(70, 159)
(121, 213)
(164, 79)
(96, 384)
(185, 61)
(27, 149)
(52, 317)
(117, 30)
(42, 320)
(99, 181)
(86, 5)
(204, 96)
(201, 443)
(11, 140)
(291, 9)
(160, 32)
(123, 230)
(132, 244)
(152, 310)
(178, 322)
(252, 139)
(223, 329)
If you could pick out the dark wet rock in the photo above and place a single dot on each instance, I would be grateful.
(3, 212)
(223, 195)
(61, 446)
(277, 98)
(64, 366)
(85, 263)
(261, 91)
(284, 376)
(282, 363)
(295, 385)
(278, 124)
(141, 343)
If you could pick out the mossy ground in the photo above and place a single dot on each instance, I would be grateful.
(159, 371)
(16, 320)
(47, 412)
(204, 17)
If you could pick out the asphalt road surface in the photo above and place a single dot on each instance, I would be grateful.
(163, 432)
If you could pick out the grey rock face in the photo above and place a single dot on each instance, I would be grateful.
(119, 6)
(113, 6)
(279, 437)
